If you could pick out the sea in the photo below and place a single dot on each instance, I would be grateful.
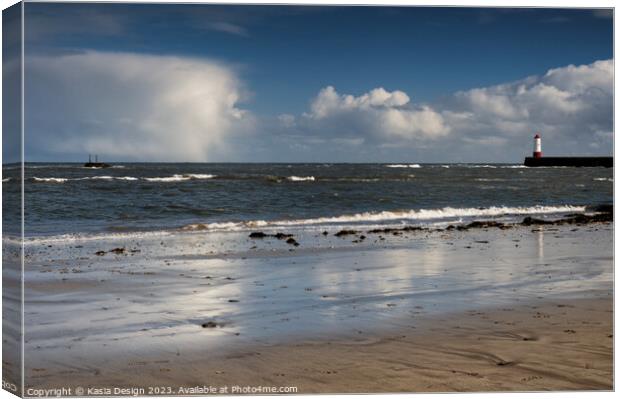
(132, 198)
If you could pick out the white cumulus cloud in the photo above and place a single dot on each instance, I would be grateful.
(133, 106)
(572, 106)
(379, 113)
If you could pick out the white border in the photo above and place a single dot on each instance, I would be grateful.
(459, 3)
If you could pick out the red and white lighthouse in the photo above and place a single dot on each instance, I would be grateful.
(537, 146)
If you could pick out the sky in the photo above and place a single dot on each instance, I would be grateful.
(207, 83)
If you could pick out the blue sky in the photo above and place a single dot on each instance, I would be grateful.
(277, 63)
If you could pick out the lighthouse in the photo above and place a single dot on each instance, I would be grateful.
(537, 159)
(537, 146)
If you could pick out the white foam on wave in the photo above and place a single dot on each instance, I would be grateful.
(6, 180)
(128, 178)
(168, 178)
(50, 179)
(300, 178)
(413, 165)
(200, 176)
(175, 178)
(603, 179)
(426, 215)
(367, 219)
(65, 179)
(63, 238)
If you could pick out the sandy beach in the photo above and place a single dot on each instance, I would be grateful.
(547, 345)
(517, 309)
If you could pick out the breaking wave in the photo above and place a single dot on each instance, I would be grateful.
(175, 178)
(298, 178)
(125, 178)
(130, 178)
(399, 217)
(413, 165)
(168, 178)
(49, 179)
(427, 217)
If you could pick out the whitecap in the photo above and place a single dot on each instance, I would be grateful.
(302, 178)
(167, 179)
(49, 179)
(421, 215)
(413, 165)
(200, 176)
(482, 166)
(175, 178)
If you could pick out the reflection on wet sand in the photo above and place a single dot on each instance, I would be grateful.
(181, 293)
(541, 243)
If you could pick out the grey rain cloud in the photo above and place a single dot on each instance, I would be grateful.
(130, 106)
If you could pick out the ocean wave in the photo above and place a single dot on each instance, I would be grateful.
(603, 179)
(79, 237)
(65, 179)
(413, 165)
(8, 179)
(125, 178)
(49, 179)
(495, 166)
(199, 176)
(167, 179)
(364, 179)
(302, 178)
(129, 178)
(175, 178)
(436, 217)
(421, 215)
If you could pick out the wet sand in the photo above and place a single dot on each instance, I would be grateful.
(527, 308)
(546, 345)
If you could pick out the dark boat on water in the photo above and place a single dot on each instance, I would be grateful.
(96, 164)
